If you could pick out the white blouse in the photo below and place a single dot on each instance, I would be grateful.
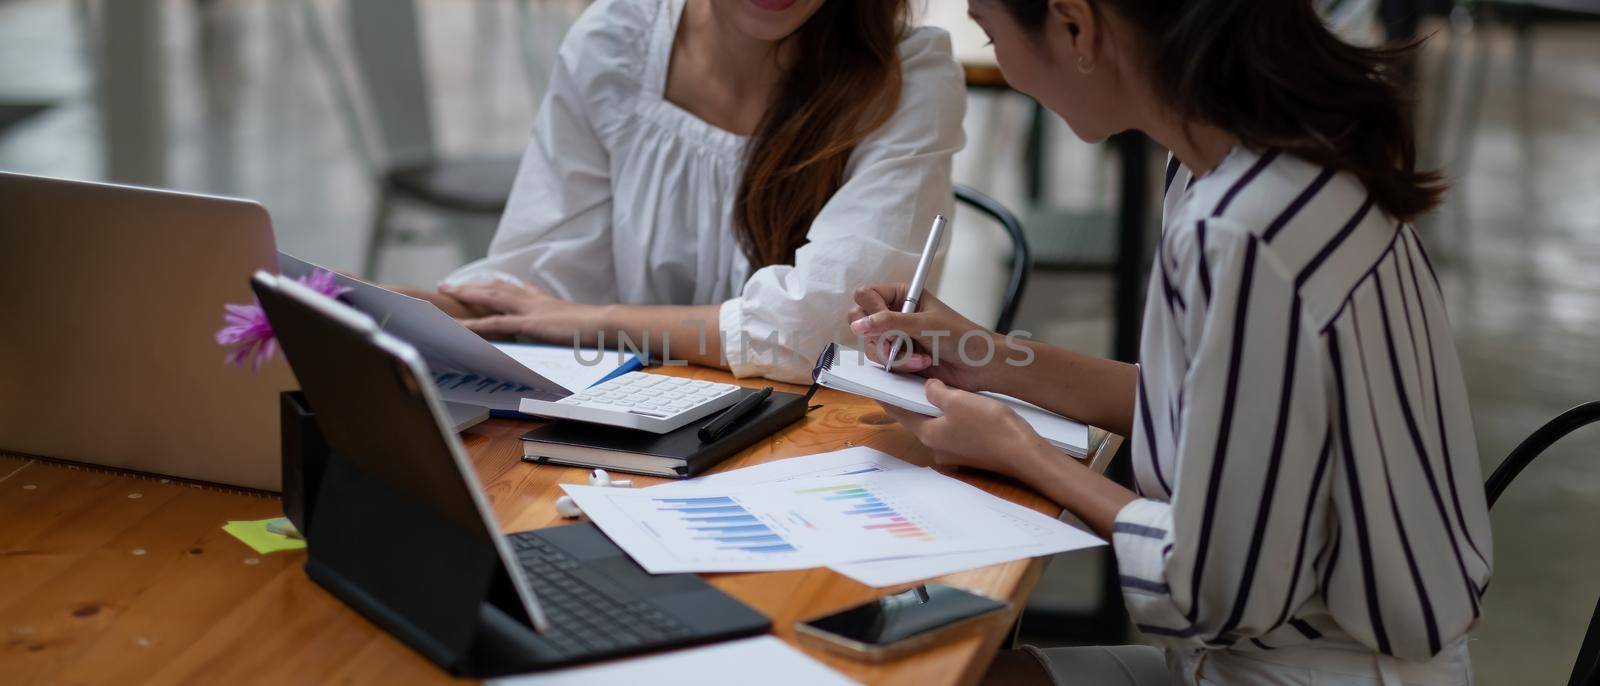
(1312, 499)
(623, 197)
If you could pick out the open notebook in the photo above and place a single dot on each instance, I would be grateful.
(844, 369)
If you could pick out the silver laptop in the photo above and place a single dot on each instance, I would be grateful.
(112, 297)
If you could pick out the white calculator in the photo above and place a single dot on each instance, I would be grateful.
(637, 400)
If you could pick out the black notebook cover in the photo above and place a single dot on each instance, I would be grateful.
(678, 454)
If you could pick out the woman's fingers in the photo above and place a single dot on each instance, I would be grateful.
(887, 322)
(920, 425)
(878, 297)
(970, 410)
(497, 325)
(905, 417)
(484, 294)
(945, 398)
(493, 295)
(877, 349)
(909, 359)
(954, 400)
(882, 329)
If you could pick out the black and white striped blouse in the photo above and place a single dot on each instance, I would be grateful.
(1302, 440)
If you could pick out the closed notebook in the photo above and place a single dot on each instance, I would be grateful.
(676, 454)
(843, 369)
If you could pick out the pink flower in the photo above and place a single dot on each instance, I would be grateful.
(249, 334)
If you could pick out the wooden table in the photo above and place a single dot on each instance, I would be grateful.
(129, 578)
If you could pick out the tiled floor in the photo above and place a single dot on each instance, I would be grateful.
(249, 114)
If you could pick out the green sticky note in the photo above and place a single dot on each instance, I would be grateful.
(255, 535)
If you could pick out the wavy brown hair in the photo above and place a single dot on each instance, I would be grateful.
(843, 83)
(1271, 73)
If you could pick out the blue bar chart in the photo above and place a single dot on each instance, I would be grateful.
(723, 522)
(469, 382)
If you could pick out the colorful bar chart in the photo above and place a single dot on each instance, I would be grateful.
(876, 513)
(778, 524)
(725, 523)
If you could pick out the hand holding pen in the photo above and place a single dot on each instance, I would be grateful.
(918, 280)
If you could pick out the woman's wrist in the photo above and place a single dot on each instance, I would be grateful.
(993, 376)
(1012, 369)
(597, 322)
(1036, 461)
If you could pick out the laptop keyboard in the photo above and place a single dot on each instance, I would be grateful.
(583, 619)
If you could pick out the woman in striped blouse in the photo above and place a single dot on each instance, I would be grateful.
(1307, 504)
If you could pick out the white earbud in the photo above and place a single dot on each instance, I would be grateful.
(569, 509)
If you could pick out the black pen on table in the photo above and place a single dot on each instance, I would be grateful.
(733, 415)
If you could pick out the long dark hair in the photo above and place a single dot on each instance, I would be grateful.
(1271, 73)
(844, 82)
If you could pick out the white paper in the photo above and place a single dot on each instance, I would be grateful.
(761, 660)
(864, 377)
(837, 463)
(797, 524)
(574, 368)
(1048, 535)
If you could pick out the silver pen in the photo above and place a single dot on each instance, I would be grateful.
(914, 293)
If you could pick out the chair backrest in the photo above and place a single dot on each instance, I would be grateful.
(388, 51)
(389, 87)
(1586, 670)
(1536, 443)
(1018, 255)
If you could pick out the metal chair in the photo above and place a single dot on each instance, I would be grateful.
(401, 155)
(1021, 260)
(1586, 671)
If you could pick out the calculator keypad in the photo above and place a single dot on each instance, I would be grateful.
(650, 394)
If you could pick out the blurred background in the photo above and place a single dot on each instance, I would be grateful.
(381, 135)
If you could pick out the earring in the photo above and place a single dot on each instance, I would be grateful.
(1082, 69)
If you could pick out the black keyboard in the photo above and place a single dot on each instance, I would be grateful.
(585, 620)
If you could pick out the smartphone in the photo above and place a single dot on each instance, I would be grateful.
(894, 625)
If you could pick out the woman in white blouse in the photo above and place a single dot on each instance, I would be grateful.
(723, 172)
(1307, 504)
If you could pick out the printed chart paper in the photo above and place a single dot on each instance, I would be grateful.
(1047, 535)
(837, 463)
(798, 523)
